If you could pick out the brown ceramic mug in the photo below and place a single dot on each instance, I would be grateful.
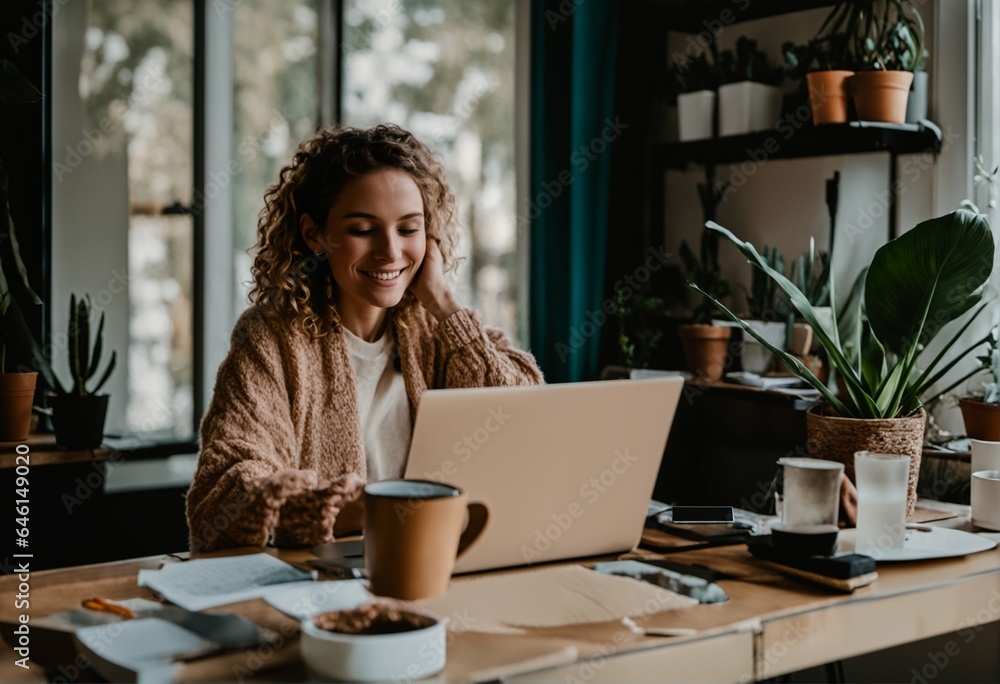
(414, 534)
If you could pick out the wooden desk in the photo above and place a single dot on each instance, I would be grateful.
(772, 625)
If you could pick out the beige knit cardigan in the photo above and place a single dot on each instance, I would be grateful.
(281, 445)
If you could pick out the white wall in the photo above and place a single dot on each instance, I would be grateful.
(89, 215)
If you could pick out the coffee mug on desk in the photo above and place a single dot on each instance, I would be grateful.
(414, 534)
(986, 499)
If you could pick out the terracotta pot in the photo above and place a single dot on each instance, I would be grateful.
(982, 420)
(706, 349)
(881, 95)
(17, 392)
(828, 96)
(836, 439)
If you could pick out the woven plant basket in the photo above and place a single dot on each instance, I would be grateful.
(836, 439)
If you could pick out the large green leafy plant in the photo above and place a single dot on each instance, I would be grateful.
(915, 285)
(14, 90)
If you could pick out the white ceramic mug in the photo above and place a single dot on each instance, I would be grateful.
(986, 499)
(985, 455)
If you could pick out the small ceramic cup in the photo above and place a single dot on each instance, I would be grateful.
(986, 499)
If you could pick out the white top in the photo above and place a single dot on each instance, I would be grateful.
(382, 405)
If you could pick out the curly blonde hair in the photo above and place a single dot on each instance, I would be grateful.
(289, 281)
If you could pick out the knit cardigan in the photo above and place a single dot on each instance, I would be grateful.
(281, 442)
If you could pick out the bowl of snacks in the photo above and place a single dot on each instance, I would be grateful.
(379, 641)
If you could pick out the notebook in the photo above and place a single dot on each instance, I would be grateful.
(566, 470)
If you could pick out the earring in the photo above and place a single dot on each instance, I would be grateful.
(318, 252)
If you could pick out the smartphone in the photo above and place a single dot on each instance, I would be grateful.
(702, 514)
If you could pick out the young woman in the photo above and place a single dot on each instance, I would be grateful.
(351, 320)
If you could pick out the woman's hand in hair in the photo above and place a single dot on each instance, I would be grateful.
(430, 287)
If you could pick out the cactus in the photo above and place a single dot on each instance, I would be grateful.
(82, 361)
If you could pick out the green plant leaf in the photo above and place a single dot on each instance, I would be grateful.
(83, 321)
(107, 373)
(849, 321)
(932, 374)
(15, 89)
(941, 266)
(873, 365)
(15, 247)
(98, 344)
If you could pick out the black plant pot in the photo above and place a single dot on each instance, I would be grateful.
(79, 421)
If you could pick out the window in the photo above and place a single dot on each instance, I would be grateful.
(126, 211)
(274, 107)
(444, 70)
(124, 179)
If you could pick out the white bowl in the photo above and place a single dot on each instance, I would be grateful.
(374, 657)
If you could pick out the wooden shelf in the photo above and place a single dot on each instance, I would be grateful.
(695, 16)
(808, 141)
(44, 452)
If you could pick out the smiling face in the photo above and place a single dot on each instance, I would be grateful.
(375, 241)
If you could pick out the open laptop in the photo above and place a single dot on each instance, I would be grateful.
(566, 470)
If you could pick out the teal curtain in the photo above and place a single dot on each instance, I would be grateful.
(573, 129)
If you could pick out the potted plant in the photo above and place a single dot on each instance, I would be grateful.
(17, 389)
(981, 412)
(706, 346)
(915, 285)
(638, 332)
(763, 306)
(889, 38)
(749, 92)
(78, 414)
(909, 53)
(823, 65)
(692, 82)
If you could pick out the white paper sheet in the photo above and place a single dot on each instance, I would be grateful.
(549, 597)
(305, 599)
(209, 582)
